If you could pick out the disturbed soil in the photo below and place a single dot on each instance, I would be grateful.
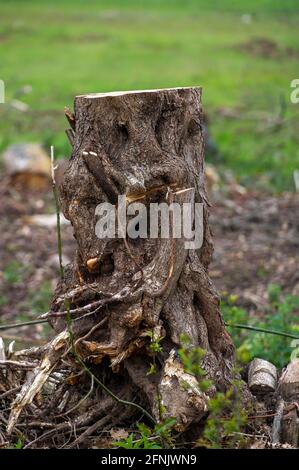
(256, 241)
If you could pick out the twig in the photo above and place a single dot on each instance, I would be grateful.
(34, 352)
(25, 323)
(17, 364)
(262, 330)
(73, 311)
(121, 295)
(94, 328)
(109, 392)
(10, 392)
(38, 424)
(3, 444)
(99, 303)
(256, 436)
(91, 429)
(70, 117)
(59, 427)
(79, 402)
(56, 198)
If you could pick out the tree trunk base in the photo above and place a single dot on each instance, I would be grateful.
(125, 295)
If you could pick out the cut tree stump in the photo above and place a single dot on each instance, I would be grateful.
(145, 145)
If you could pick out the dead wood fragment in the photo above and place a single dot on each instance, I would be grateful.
(91, 429)
(17, 365)
(70, 117)
(262, 376)
(2, 350)
(180, 394)
(276, 426)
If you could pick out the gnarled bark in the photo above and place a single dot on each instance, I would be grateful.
(145, 145)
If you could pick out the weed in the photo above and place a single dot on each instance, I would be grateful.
(19, 444)
(191, 358)
(226, 417)
(155, 344)
(226, 421)
(281, 315)
(147, 438)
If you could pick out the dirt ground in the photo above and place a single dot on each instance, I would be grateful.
(256, 240)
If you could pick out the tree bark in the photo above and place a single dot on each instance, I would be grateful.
(146, 145)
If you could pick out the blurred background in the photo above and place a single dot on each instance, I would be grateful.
(244, 54)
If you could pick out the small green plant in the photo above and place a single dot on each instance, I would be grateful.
(281, 315)
(19, 444)
(226, 417)
(152, 369)
(155, 344)
(160, 436)
(147, 438)
(226, 420)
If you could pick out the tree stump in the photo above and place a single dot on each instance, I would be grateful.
(146, 145)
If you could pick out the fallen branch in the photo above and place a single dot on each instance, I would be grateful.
(56, 198)
(17, 365)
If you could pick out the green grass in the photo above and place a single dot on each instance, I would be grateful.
(281, 315)
(63, 48)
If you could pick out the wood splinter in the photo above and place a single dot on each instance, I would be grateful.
(70, 117)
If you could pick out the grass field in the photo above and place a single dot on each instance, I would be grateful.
(243, 53)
